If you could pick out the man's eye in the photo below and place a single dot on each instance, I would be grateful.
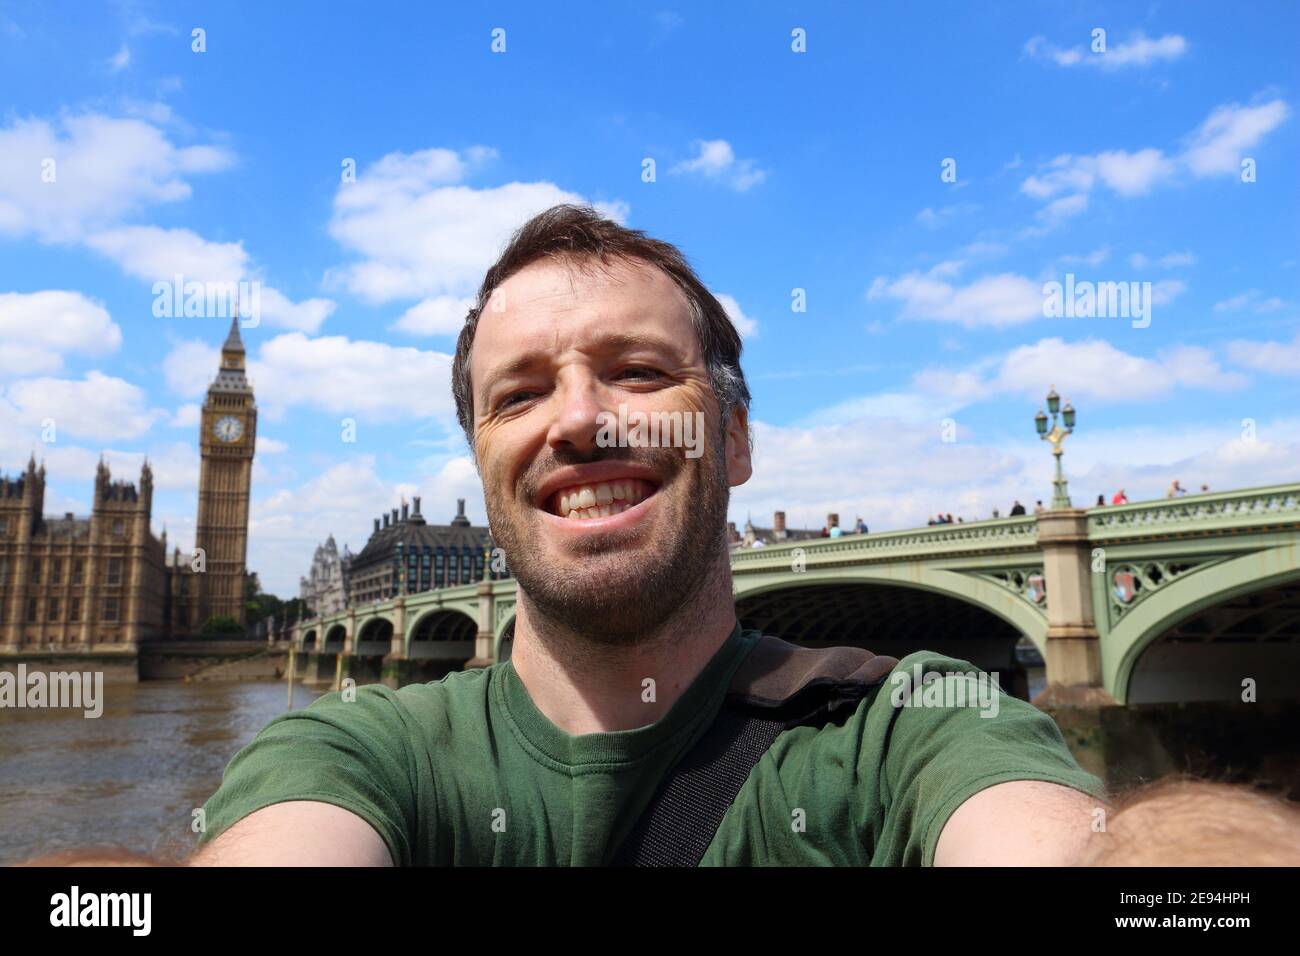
(515, 398)
(640, 372)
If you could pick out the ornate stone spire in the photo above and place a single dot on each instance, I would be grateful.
(233, 341)
(230, 377)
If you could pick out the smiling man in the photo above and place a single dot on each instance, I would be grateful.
(636, 722)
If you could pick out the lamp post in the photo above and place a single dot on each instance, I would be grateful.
(1060, 491)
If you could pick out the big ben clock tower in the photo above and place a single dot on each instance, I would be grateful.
(227, 430)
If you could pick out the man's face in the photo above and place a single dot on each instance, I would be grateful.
(608, 540)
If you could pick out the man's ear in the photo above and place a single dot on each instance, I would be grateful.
(739, 467)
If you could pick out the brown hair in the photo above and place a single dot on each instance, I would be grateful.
(581, 236)
(1185, 822)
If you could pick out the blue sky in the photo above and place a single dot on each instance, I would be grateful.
(774, 170)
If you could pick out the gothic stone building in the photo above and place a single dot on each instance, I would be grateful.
(324, 590)
(104, 582)
(72, 583)
(406, 554)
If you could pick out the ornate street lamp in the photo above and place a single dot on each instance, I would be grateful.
(1060, 491)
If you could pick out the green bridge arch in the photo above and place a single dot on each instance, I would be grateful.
(1122, 647)
(972, 589)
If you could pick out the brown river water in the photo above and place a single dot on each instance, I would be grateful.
(131, 777)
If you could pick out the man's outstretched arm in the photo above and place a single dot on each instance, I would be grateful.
(297, 833)
(1020, 823)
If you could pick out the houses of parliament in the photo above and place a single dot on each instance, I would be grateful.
(104, 582)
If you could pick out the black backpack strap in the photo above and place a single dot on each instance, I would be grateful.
(778, 686)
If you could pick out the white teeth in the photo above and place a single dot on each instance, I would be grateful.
(602, 499)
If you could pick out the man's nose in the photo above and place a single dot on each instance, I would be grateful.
(577, 416)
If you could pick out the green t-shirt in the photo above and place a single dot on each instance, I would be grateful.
(467, 770)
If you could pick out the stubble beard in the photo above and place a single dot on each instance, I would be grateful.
(623, 594)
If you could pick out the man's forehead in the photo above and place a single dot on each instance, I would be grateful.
(555, 304)
(566, 283)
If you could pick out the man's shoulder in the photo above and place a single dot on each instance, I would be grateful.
(775, 671)
(879, 704)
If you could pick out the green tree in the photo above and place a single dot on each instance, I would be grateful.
(220, 625)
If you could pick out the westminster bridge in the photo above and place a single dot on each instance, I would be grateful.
(1182, 599)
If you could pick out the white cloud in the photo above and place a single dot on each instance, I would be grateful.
(350, 378)
(1252, 300)
(281, 312)
(120, 60)
(937, 218)
(947, 269)
(1090, 370)
(1279, 358)
(746, 326)
(160, 255)
(1039, 48)
(1221, 142)
(1129, 174)
(994, 300)
(439, 315)
(1166, 290)
(715, 159)
(175, 468)
(155, 254)
(1216, 148)
(104, 168)
(920, 405)
(1173, 260)
(1095, 370)
(1067, 207)
(1139, 51)
(187, 416)
(897, 472)
(343, 500)
(1145, 459)
(421, 233)
(39, 328)
(1094, 258)
(893, 474)
(98, 407)
(270, 446)
(982, 249)
(189, 367)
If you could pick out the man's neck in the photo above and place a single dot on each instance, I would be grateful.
(584, 687)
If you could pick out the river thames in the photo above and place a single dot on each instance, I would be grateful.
(131, 777)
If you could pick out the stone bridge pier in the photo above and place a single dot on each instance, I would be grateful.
(1073, 653)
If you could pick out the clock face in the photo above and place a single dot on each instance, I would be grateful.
(228, 429)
